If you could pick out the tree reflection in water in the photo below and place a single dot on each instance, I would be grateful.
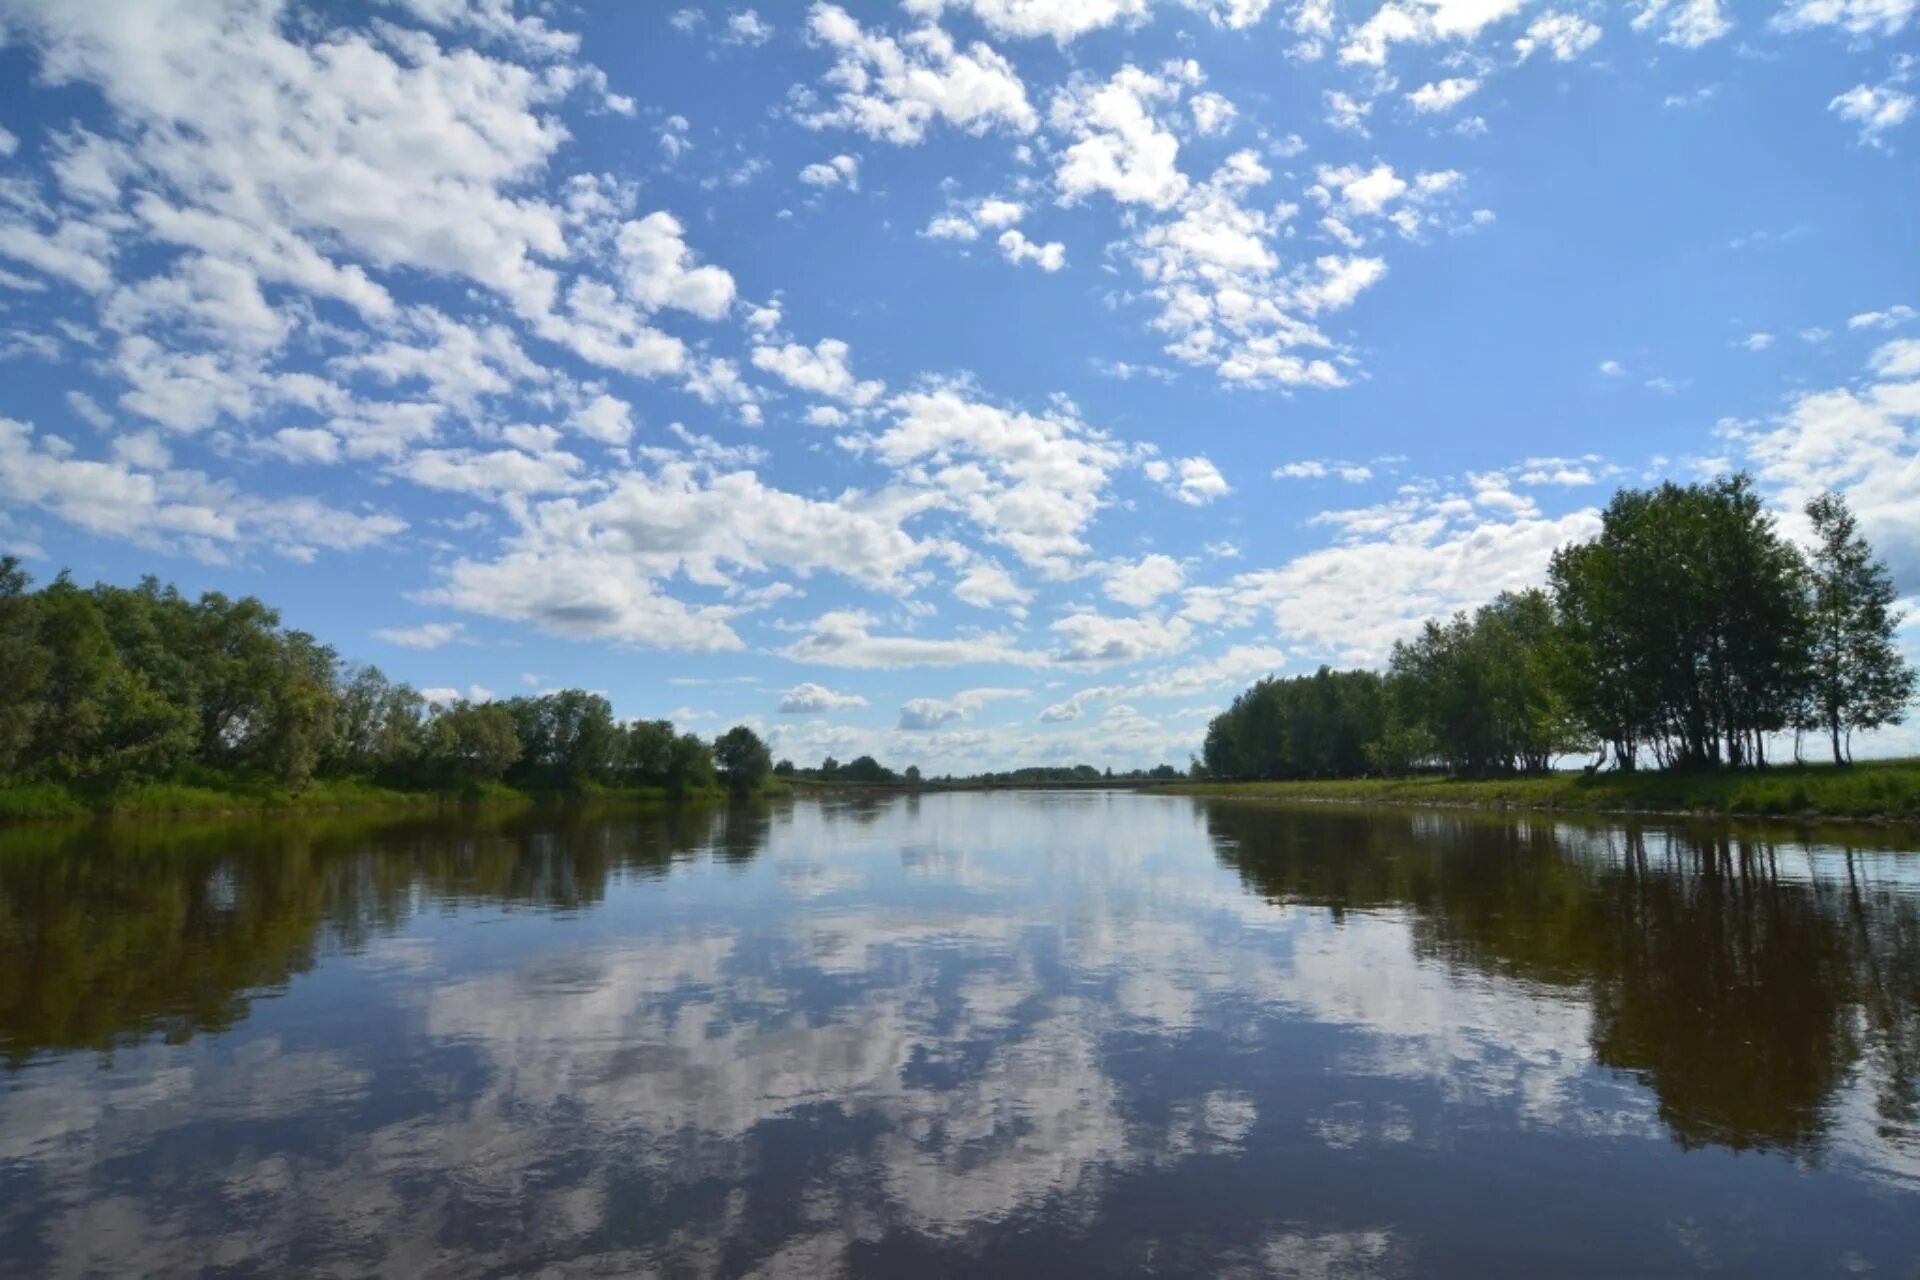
(1738, 980)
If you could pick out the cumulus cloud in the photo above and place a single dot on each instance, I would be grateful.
(1194, 481)
(1897, 314)
(1102, 640)
(428, 635)
(845, 638)
(820, 370)
(1421, 22)
(1564, 35)
(1443, 95)
(1393, 566)
(1121, 147)
(841, 171)
(811, 699)
(1860, 441)
(1062, 21)
(1029, 481)
(922, 715)
(1686, 23)
(1876, 109)
(1863, 18)
(894, 89)
(1016, 248)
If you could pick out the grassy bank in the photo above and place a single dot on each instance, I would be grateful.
(1885, 790)
(207, 792)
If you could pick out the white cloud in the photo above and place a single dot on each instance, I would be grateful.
(811, 699)
(842, 170)
(1875, 110)
(1062, 21)
(1757, 341)
(844, 638)
(1235, 15)
(1140, 582)
(1100, 640)
(659, 269)
(1861, 442)
(1421, 22)
(430, 635)
(674, 139)
(1394, 566)
(1194, 481)
(1613, 368)
(1865, 18)
(1314, 469)
(1224, 299)
(1565, 35)
(920, 715)
(1443, 95)
(1213, 115)
(746, 27)
(605, 418)
(1120, 145)
(892, 90)
(1686, 23)
(1346, 112)
(1016, 248)
(134, 498)
(1897, 314)
(820, 370)
(491, 472)
(987, 585)
(1031, 482)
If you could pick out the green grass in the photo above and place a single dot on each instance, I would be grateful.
(206, 791)
(1876, 789)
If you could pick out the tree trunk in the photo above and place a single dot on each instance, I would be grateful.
(1833, 733)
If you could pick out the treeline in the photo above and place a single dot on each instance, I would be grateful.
(1686, 635)
(865, 770)
(108, 685)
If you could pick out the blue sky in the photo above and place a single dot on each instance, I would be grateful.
(969, 383)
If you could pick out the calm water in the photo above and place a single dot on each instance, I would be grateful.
(989, 1034)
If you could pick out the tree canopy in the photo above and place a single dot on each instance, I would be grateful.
(1685, 634)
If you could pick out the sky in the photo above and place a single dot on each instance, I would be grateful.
(971, 383)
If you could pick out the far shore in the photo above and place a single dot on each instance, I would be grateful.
(1885, 791)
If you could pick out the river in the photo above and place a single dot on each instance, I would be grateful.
(995, 1034)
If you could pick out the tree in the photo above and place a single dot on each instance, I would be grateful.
(26, 662)
(689, 765)
(913, 774)
(469, 743)
(743, 759)
(1857, 678)
(1686, 624)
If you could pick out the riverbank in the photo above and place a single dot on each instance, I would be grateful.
(211, 793)
(1874, 790)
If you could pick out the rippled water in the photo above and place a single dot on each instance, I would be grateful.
(997, 1034)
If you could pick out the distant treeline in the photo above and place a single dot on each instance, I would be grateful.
(1684, 635)
(106, 685)
(866, 771)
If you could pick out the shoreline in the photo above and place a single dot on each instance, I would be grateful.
(54, 803)
(1879, 792)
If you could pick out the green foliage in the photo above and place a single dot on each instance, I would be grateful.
(1316, 726)
(470, 743)
(1687, 625)
(1858, 679)
(1687, 632)
(141, 698)
(1879, 789)
(742, 758)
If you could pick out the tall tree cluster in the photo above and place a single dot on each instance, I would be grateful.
(105, 685)
(1686, 635)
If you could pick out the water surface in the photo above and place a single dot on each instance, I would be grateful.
(1043, 1033)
